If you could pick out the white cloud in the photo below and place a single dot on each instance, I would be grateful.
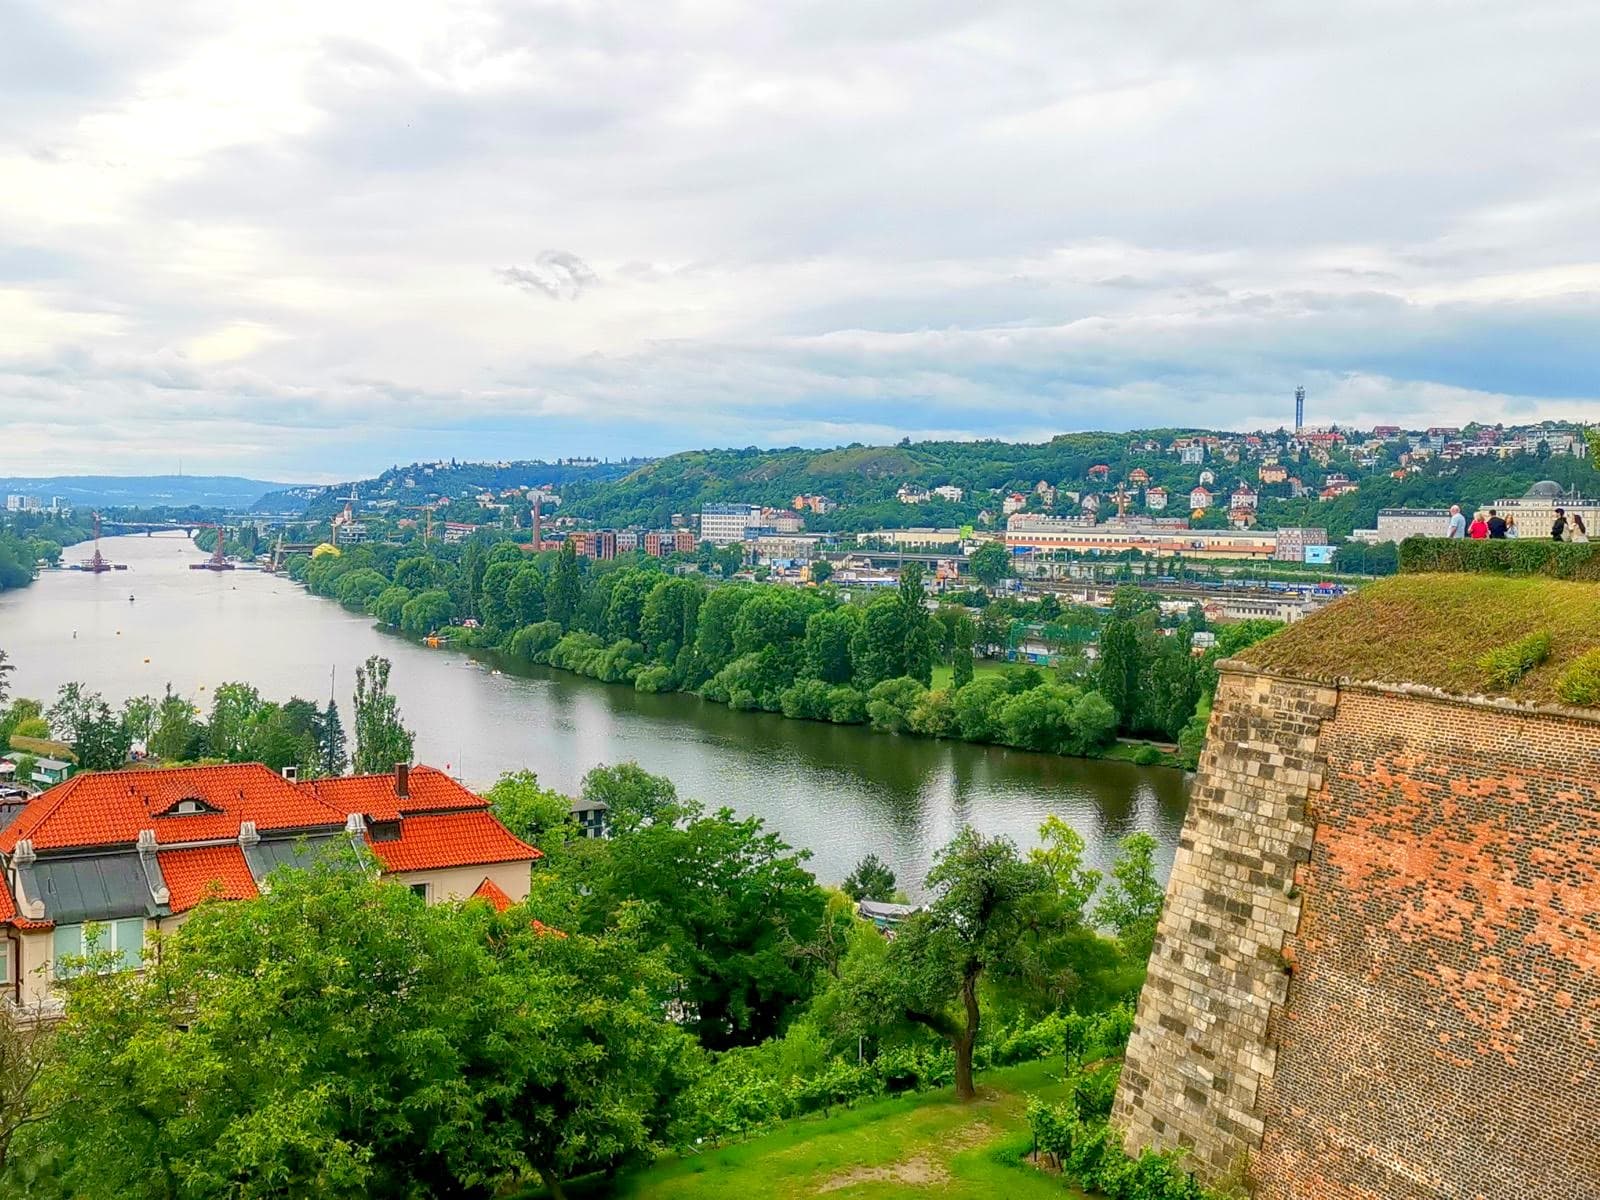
(312, 239)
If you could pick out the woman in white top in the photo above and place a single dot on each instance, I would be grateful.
(1575, 530)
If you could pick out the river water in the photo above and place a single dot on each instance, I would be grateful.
(838, 791)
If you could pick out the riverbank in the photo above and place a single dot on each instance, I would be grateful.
(902, 711)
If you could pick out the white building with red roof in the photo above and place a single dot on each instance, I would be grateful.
(130, 853)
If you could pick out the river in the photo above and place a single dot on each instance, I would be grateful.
(838, 791)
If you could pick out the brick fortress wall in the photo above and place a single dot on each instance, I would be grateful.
(1410, 1006)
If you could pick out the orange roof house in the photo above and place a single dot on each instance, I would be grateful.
(135, 851)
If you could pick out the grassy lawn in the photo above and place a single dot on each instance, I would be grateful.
(984, 666)
(919, 1145)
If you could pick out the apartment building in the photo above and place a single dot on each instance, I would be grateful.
(725, 524)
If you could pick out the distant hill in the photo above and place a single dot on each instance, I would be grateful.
(420, 482)
(143, 491)
(864, 479)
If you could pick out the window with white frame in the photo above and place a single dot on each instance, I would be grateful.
(122, 939)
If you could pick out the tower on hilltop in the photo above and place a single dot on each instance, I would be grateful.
(1299, 409)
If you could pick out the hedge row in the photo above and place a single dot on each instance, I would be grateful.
(1500, 556)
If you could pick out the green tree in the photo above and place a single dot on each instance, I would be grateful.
(391, 1050)
(495, 606)
(178, 733)
(731, 903)
(1060, 856)
(85, 721)
(525, 596)
(331, 741)
(381, 739)
(536, 815)
(427, 611)
(991, 562)
(564, 590)
(139, 717)
(670, 618)
(871, 880)
(828, 638)
(984, 893)
(633, 796)
(584, 1084)
(24, 1056)
(389, 605)
(356, 589)
(1132, 900)
(713, 647)
(6, 667)
(625, 608)
(420, 573)
(918, 625)
(891, 703)
(821, 570)
(1121, 664)
(233, 707)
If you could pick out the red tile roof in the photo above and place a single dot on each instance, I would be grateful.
(429, 790)
(492, 892)
(110, 807)
(456, 839)
(194, 875)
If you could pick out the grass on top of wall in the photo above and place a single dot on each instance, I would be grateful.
(1436, 630)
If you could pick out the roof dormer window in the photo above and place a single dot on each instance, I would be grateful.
(189, 806)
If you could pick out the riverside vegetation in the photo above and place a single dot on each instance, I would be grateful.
(808, 653)
(680, 985)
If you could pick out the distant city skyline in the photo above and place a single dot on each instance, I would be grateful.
(306, 244)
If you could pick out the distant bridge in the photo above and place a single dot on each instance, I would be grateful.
(114, 528)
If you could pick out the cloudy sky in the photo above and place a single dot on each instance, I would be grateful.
(306, 240)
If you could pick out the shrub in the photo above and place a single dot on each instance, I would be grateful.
(807, 700)
(533, 643)
(575, 651)
(653, 679)
(846, 706)
(890, 704)
(1500, 556)
(1580, 683)
(934, 714)
(1146, 756)
(1505, 665)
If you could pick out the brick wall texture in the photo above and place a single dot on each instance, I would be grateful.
(1378, 974)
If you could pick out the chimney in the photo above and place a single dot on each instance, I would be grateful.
(402, 780)
(291, 773)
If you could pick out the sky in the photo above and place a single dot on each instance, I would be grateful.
(305, 241)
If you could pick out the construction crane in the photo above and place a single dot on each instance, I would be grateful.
(216, 562)
(427, 528)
